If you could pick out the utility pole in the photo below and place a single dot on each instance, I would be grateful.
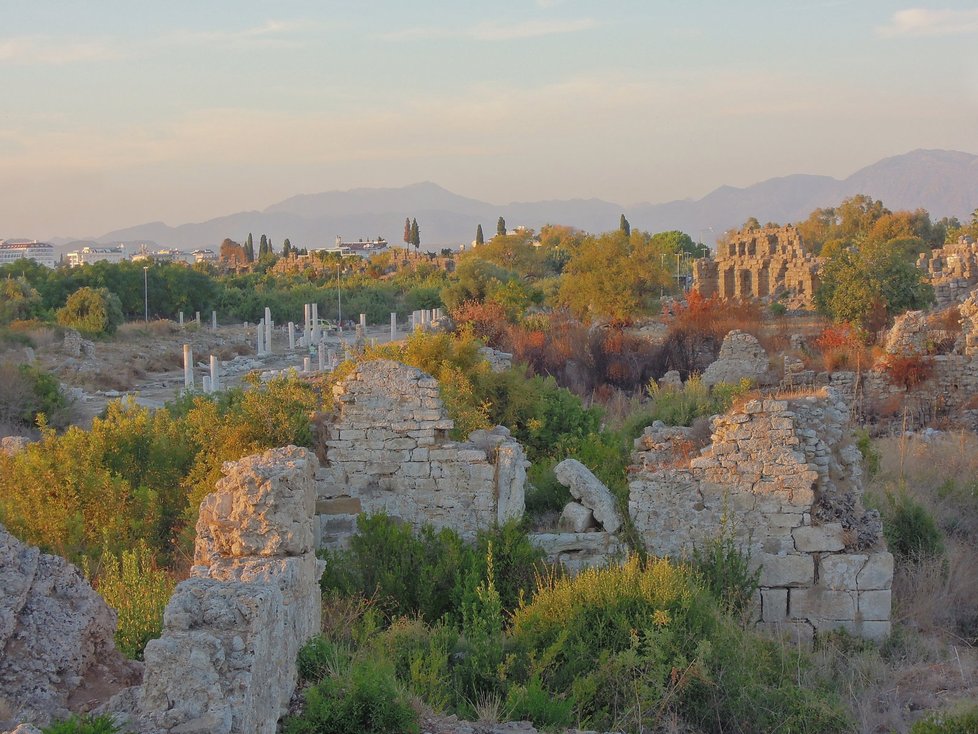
(146, 293)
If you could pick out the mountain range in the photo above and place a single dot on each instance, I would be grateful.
(943, 182)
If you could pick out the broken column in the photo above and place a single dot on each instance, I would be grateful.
(291, 336)
(188, 367)
(215, 374)
(393, 325)
(268, 330)
(214, 320)
(316, 333)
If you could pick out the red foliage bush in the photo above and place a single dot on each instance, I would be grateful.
(907, 371)
(488, 320)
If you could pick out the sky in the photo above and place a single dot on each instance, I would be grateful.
(119, 112)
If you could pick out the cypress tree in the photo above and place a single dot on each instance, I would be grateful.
(415, 234)
(501, 227)
(479, 239)
(624, 226)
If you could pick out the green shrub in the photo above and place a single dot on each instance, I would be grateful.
(320, 658)
(421, 659)
(138, 591)
(910, 530)
(965, 722)
(365, 700)
(871, 455)
(92, 311)
(533, 702)
(83, 725)
(726, 573)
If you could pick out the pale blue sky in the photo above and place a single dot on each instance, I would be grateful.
(115, 113)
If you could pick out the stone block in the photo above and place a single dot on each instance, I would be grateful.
(840, 570)
(877, 573)
(818, 603)
(819, 539)
(339, 506)
(874, 606)
(774, 605)
(788, 570)
(576, 518)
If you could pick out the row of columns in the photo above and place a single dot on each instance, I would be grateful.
(423, 318)
(210, 383)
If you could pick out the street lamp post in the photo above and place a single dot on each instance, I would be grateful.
(339, 303)
(146, 293)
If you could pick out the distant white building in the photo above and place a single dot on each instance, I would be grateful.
(89, 255)
(40, 252)
(360, 248)
(204, 256)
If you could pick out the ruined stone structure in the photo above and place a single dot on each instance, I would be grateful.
(387, 450)
(56, 645)
(952, 270)
(741, 357)
(783, 478)
(225, 662)
(767, 263)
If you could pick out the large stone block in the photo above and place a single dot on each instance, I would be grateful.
(818, 603)
(819, 538)
(793, 570)
(877, 573)
(874, 606)
(840, 571)
(575, 518)
(774, 605)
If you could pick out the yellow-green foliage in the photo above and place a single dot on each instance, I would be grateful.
(138, 590)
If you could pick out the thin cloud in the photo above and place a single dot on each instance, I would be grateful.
(270, 33)
(495, 31)
(930, 22)
(31, 50)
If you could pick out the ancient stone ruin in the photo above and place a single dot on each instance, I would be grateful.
(952, 270)
(741, 358)
(782, 478)
(387, 450)
(769, 263)
(56, 646)
(225, 662)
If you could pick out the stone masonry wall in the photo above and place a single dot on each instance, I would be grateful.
(387, 450)
(952, 270)
(783, 477)
(765, 263)
(225, 662)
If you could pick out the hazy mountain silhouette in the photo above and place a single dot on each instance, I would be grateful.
(943, 182)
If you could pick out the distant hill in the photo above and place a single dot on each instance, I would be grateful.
(941, 181)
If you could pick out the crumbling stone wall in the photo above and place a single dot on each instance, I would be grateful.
(741, 357)
(56, 638)
(783, 478)
(764, 263)
(952, 270)
(225, 662)
(387, 450)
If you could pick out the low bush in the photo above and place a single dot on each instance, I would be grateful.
(367, 700)
(83, 725)
(726, 573)
(964, 722)
(911, 531)
(139, 591)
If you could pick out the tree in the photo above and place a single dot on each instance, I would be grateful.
(479, 239)
(415, 234)
(407, 232)
(624, 226)
(249, 248)
(286, 248)
(870, 284)
(263, 247)
(501, 227)
(92, 311)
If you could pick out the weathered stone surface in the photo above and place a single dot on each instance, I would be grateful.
(774, 605)
(877, 573)
(840, 571)
(741, 357)
(874, 606)
(575, 518)
(262, 506)
(588, 489)
(819, 538)
(225, 663)
(821, 604)
(908, 335)
(577, 551)
(671, 380)
(56, 643)
(783, 571)
(388, 451)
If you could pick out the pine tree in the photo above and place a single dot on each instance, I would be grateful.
(501, 227)
(415, 234)
(624, 226)
(479, 239)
